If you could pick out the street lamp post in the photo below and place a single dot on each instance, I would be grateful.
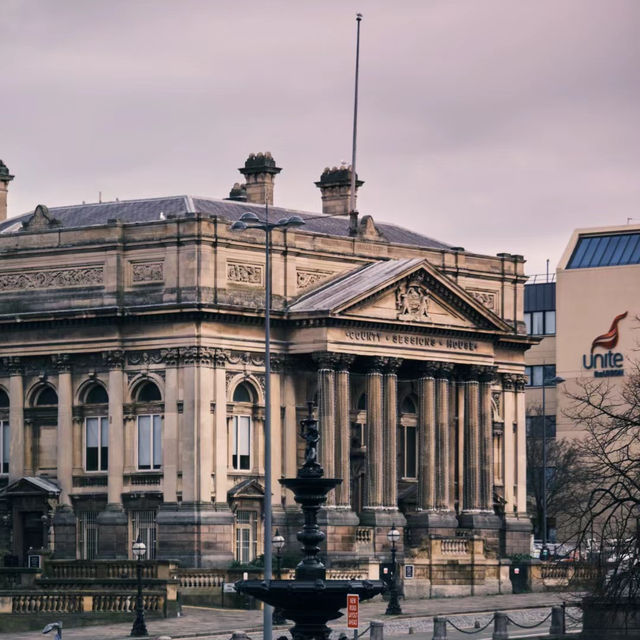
(278, 543)
(250, 220)
(139, 627)
(394, 605)
(544, 552)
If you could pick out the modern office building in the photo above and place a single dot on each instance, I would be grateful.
(132, 378)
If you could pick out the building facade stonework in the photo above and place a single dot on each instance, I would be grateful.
(132, 382)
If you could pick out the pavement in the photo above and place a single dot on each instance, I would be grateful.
(202, 623)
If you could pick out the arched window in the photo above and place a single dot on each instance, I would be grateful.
(242, 427)
(96, 430)
(97, 394)
(4, 433)
(242, 393)
(149, 392)
(149, 428)
(47, 396)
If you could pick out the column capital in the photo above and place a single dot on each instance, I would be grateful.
(521, 382)
(428, 369)
(345, 362)
(508, 381)
(197, 355)
(376, 364)
(277, 362)
(486, 374)
(326, 359)
(444, 370)
(170, 357)
(61, 362)
(392, 365)
(113, 359)
(13, 364)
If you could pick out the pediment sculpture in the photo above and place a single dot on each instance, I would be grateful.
(412, 300)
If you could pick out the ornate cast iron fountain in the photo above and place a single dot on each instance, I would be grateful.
(310, 600)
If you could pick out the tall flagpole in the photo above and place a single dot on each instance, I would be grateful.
(353, 216)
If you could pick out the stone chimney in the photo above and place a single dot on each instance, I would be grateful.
(335, 186)
(5, 179)
(260, 170)
(238, 192)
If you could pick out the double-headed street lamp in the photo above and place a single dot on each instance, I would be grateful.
(393, 607)
(250, 220)
(544, 552)
(139, 627)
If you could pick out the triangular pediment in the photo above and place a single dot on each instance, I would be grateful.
(400, 292)
(31, 486)
(249, 488)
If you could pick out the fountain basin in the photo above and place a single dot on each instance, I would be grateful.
(310, 601)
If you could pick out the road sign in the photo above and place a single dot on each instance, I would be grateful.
(353, 606)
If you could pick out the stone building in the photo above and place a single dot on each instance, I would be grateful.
(132, 378)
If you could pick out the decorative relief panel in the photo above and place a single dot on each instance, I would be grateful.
(412, 299)
(86, 276)
(489, 299)
(306, 278)
(142, 272)
(245, 273)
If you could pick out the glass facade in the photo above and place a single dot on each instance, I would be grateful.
(606, 251)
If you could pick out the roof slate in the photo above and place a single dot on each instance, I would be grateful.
(152, 209)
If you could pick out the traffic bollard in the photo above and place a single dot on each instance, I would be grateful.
(500, 622)
(439, 628)
(557, 621)
(377, 630)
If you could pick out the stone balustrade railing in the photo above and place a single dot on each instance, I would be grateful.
(201, 578)
(363, 535)
(74, 602)
(454, 546)
(100, 569)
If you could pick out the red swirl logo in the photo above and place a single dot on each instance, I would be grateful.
(610, 339)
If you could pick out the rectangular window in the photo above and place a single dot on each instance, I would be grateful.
(527, 322)
(97, 444)
(143, 524)
(536, 376)
(88, 534)
(549, 322)
(537, 373)
(246, 536)
(535, 425)
(241, 458)
(537, 323)
(527, 373)
(4, 446)
(408, 451)
(149, 442)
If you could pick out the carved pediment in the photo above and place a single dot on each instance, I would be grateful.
(247, 489)
(41, 219)
(402, 292)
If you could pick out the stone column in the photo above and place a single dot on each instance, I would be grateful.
(521, 446)
(326, 414)
(277, 364)
(427, 440)
(486, 376)
(290, 434)
(508, 395)
(443, 487)
(343, 432)
(221, 430)
(16, 420)
(64, 439)
(112, 522)
(375, 453)
(453, 441)
(471, 494)
(170, 357)
(64, 520)
(390, 434)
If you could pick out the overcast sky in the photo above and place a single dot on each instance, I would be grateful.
(494, 125)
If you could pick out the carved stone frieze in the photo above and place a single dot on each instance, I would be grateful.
(61, 362)
(13, 365)
(170, 357)
(306, 278)
(59, 278)
(246, 358)
(144, 357)
(147, 272)
(245, 273)
(487, 298)
(412, 299)
(197, 355)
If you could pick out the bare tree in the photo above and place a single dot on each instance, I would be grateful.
(608, 521)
